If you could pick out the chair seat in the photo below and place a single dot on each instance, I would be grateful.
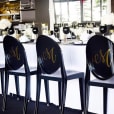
(71, 74)
(21, 71)
(103, 83)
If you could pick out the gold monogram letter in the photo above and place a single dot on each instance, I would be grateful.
(15, 53)
(102, 58)
(49, 54)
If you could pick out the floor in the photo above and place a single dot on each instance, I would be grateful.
(72, 98)
(15, 106)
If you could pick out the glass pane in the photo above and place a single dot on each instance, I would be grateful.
(64, 11)
(95, 10)
(67, 11)
(57, 12)
(87, 10)
(74, 11)
(104, 7)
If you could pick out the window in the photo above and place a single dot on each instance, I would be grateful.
(76, 10)
(67, 11)
(93, 10)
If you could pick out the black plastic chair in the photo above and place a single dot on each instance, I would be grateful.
(11, 30)
(100, 57)
(66, 30)
(2, 69)
(35, 30)
(57, 31)
(51, 67)
(16, 64)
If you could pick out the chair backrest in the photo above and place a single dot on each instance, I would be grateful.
(11, 31)
(35, 30)
(14, 51)
(56, 29)
(66, 30)
(49, 54)
(100, 56)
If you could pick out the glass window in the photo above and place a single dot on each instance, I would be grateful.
(57, 12)
(64, 12)
(87, 10)
(67, 11)
(96, 13)
(75, 10)
(104, 7)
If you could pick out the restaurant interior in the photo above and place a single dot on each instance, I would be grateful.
(70, 26)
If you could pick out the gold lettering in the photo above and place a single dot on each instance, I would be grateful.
(15, 53)
(49, 54)
(96, 59)
(102, 58)
(105, 58)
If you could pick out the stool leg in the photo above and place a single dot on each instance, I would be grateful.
(27, 94)
(105, 92)
(46, 82)
(2, 81)
(87, 92)
(82, 93)
(25, 106)
(17, 86)
(5, 91)
(63, 95)
(36, 111)
(59, 92)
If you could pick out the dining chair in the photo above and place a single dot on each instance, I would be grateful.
(99, 67)
(66, 30)
(56, 31)
(105, 30)
(35, 30)
(11, 30)
(50, 67)
(2, 69)
(16, 64)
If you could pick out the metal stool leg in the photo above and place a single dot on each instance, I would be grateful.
(105, 91)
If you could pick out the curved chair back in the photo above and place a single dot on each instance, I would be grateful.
(35, 30)
(14, 53)
(49, 54)
(100, 56)
(11, 31)
(56, 29)
(66, 30)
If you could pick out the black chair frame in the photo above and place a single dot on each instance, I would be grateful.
(99, 58)
(16, 64)
(51, 67)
